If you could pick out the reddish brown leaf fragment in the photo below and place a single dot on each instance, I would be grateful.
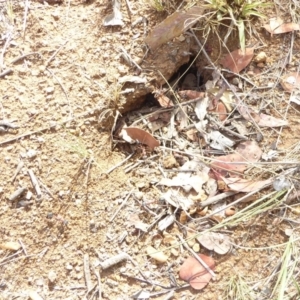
(220, 109)
(236, 61)
(245, 153)
(173, 26)
(142, 136)
(194, 273)
(163, 100)
(190, 94)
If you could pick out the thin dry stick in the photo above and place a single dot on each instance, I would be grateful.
(63, 89)
(217, 198)
(87, 273)
(7, 42)
(114, 260)
(208, 269)
(46, 189)
(24, 56)
(35, 183)
(6, 72)
(19, 168)
(17, 193)
(130, 12)
(55, 53)
(23, 247)
(99, 283)
(124, 202)
(119, 164)
(25, 17)
(84, 114)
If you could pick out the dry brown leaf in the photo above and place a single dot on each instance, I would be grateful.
(173, 26)
(290, 81)
(220, 109)
(277, 26)
(194, 273)
(245, 153)
(245, 185)
(141, 136)
(163, 100)
(236, 61)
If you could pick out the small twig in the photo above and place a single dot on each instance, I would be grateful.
(130, 12)
(128, 58)
(24, 56)
(19, 168)
(119, 164)
(17, 193)
(63, 89)
(84, 114)
(35, 183)
(23, 247)
(217, 198)
(87, 273)
(8, 124)
(7, 42)
(55, 53)
(6, 72)
(208, 269)
(114, 260)
(99, 283)
(46, 189)
(120, 207)
(25, 17)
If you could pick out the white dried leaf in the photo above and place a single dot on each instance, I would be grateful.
(114, 19)
(201, 108)
(176, 199)
(218, 242)
(124, 135)
(219, 141)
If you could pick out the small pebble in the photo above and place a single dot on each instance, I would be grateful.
(52, 276)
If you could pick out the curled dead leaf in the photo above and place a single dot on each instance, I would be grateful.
(238, 60)
(277, 26)
(194, 273)
(140, 135)
(290, 81)
(245, 185)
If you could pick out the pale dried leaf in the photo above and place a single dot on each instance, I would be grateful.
(10, 246)
(277, 26)
(218, 141)
(159, 256)
(134, 220)
(201, 108)
(114, 19)
(245, 185)
(177, 199)
(218, 242)
(269, 121)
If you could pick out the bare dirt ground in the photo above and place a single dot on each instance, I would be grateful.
(60, 95)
